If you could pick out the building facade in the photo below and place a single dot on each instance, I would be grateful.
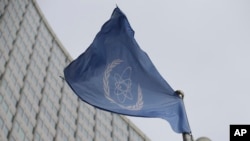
(36, 104)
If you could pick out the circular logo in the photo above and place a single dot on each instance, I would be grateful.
(122, 87)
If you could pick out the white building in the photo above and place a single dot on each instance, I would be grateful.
(35, 103)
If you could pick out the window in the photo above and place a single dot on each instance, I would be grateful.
(35, 97)
(55, 98)
(39, 123)
(19, 130)
(20, 110)
(11, 138)
(1, 122)
(5, 106)
(50, 136)
(37, 137)
(45, 129)
(21, 133)
(33, 112)
(5, 130)
(30, 126)
(78, 138)
(11, 96)
(9, 115)
(62, 134)
(47, 114)
(1, 98)
(66, 125)
(4, 47)
(28, 104)
(25, 118)
(79, 127)
(71, 131)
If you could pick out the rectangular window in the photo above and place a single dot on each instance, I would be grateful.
(11, 138)
(1, 122)
(25, 118)
(9, 115)
(5, 106)
(37, 136)
(5, 130)
(50, 136)
(20, 110)
(21, 133)
(1, 98)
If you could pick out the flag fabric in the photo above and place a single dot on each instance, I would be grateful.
(116, 75)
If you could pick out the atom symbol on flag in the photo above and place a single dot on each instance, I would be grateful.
(123, 85)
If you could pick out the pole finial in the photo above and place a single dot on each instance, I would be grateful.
(180, 93)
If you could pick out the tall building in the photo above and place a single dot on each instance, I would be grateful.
(36, 104)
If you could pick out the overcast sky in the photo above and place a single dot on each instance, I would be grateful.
(199, 46)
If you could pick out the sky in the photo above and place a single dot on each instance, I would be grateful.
(201, 47)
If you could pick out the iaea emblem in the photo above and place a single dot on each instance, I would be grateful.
(122, 87)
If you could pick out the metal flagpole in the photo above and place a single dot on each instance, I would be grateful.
(186, 136)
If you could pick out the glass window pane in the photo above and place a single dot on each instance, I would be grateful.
(21, 134)
(1, 122)
(5, 130)
(1, 98)
(5, 106)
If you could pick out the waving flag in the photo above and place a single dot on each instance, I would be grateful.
(115, 75)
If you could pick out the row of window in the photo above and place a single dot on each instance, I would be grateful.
(7, 90)
(61, 136)
(6, 114)
(104, 130)
(66, 126)
(43, 129)
(27, 42)
(52, 94)
(19, 5)
(3, 4)
(40, 46)
(17, 10)
(27, 104)
(4, 51)
(24, 117)
(12, 19)
(102, 137)
(49, 116)
(54, 80)
(31, 19)
(84, 131)
(12, 82)
(18, 133)
(6, 109)
(46, 35)
(58, 57)
(7, 34)
(64, 109)
(71, 101)
(85, 119)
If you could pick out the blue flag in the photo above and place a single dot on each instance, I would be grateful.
(115, 75)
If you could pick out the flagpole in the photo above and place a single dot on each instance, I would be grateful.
(185, 136)
(189, 136)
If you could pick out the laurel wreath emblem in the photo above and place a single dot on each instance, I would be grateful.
(137, 106)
